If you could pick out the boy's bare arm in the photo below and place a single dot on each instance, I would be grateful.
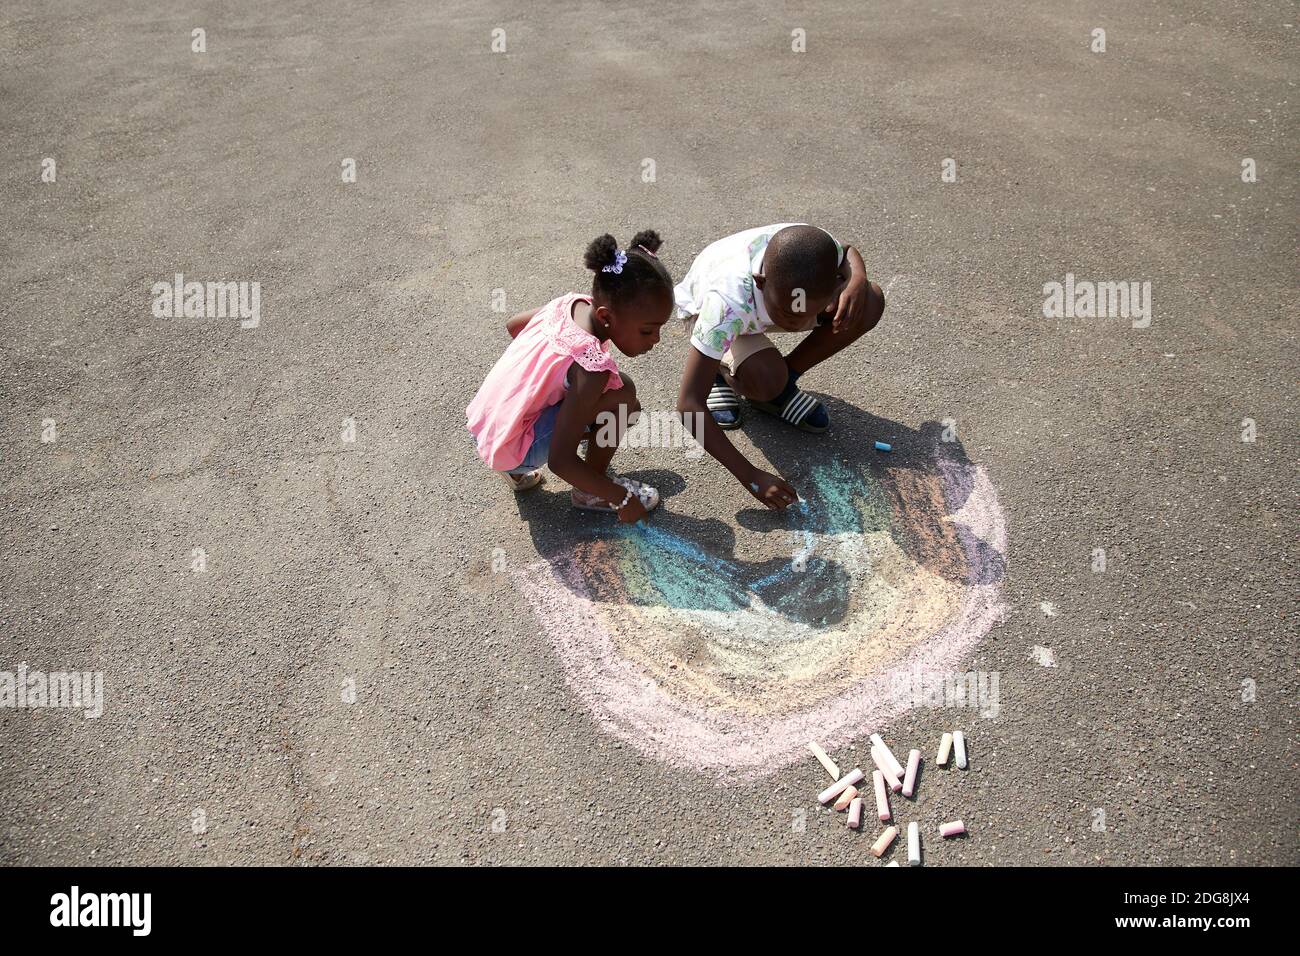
(692, 404)
(851, 305)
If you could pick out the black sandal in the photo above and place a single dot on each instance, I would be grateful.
(797, 410)
(724, 404)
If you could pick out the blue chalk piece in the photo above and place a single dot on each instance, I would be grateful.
(883, 446)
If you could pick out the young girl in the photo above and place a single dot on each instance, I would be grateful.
(557, 380)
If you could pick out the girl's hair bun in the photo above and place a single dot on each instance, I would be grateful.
(601, 252)
(633, 272)
(648, 238)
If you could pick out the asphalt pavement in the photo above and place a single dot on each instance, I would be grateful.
(317, 650)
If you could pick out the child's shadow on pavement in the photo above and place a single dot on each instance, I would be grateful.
(679, 560)
(676, 560)
(924, 480)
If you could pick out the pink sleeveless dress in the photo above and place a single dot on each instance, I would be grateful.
(529, 378)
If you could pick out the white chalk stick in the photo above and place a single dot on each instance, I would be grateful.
(959, 749)
(880, 846)
(882, 801)
(894, 765)
(839, 786)
(913, 844)
(824, 760)
(879, 759)
(892, 863)
(913, 765)
(844, 799)
(855, 813)
(945, 748)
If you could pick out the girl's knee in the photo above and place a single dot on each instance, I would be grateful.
(631, 409)
(627, 397)
(620, 406)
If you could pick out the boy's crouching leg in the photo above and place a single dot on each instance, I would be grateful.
(875, 311)
(875, 305)
(762, 376)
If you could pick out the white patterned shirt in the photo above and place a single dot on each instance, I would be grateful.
(718, 294)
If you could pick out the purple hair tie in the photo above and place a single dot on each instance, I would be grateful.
(620, 257)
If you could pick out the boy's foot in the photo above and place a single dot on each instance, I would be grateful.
(796, 407)
(529, 479)
(648, 495)
(724, 405)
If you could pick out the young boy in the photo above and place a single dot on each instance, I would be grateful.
(782, 278)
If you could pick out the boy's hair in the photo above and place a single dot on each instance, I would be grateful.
(802, 257)
(642, 271)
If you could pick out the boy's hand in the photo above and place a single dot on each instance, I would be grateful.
(851, 309)
(854, 309)
(772, 490)
(632, 512)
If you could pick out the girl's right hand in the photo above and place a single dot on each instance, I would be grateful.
(772, 490)
(632, 512)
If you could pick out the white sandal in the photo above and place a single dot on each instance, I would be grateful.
(648, 495)
(529, 479)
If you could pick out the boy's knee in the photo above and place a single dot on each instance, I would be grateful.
(876, 301)
(763, 375)
(764, 384)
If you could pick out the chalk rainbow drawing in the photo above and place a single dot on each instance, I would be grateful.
(731, 666)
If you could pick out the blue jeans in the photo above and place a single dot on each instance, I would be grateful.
(540, 450)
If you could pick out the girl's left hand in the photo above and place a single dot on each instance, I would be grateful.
(632, 512)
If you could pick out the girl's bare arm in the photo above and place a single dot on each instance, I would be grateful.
(579, 410)
(516, 323)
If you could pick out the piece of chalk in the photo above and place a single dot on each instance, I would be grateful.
(880, 846)
(913, 843)
(855, 813)
(945, 748)
(878, 758)
(909, 780)
(882, 799)
(959, 749)
(956, 828)
(824, 760)
(839, 786)
(888, 754)
(883, 446)
(844, 799)
(892, 863)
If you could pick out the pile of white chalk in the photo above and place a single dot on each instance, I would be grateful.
(889, 777)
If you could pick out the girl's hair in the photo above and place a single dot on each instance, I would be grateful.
(642, 271)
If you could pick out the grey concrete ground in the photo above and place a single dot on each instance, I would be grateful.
(371, 561)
